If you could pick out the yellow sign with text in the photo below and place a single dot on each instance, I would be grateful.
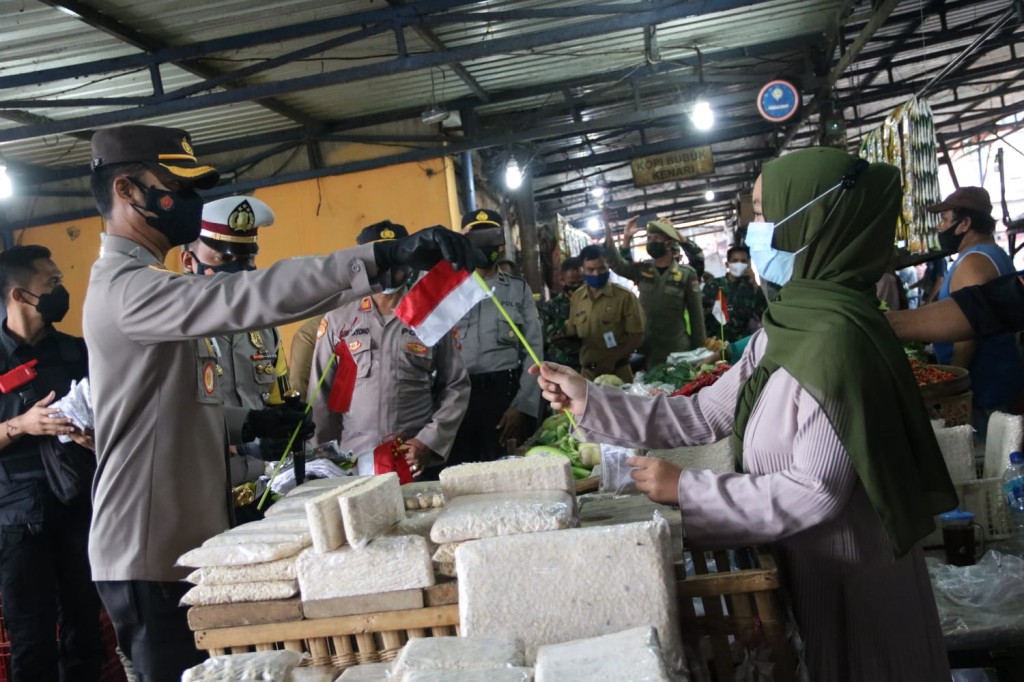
(677, 165)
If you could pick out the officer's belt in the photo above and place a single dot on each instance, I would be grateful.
(485, 379)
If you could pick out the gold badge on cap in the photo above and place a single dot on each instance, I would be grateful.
(186, 147)
(242, 218)
(482, 215)
(387, 233)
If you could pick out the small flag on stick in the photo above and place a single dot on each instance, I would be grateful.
(439, 300)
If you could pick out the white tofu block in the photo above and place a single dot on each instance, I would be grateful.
(494, 675)
(296, 499)
(282, 569)
(546, 588)
(371, 508)
(239, 554)
(368, 672)
(470, 517)
(508, 475)
(207, 595)
(325, 524)
(387, 564)
(628, 656)
(448, 654)
(230, 538)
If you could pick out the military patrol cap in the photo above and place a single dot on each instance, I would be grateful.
(665, 227)
(970, 198)
(170, 148)
(383, 231)
(230, 224)
(483, 217)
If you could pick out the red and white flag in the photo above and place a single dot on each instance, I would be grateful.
(720, 310)
(439, 300)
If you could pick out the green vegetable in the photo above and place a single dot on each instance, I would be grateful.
(580, 472)
(590, 454)
(546, 450)
(608, 380)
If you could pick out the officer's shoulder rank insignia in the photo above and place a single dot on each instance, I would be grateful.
(322, 329)
(365, 304)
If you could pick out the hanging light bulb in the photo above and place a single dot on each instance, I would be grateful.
(597, 193)
(703, 116)
(513, 174)
(593, 224)
(709, 195)
(6, 186)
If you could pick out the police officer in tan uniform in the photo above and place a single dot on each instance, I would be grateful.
(405, 389)
(669, 292)
(606, 318)
(161, 485)
(505, 400)
(246, 361)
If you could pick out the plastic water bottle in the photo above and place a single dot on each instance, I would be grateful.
(1013, 488)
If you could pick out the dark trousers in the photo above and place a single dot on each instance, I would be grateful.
(152, 630)
(477, 437)
(46, 585)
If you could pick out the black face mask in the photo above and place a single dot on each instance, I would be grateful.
(395, 277)
(232, 267)
(949, 240)
(490, 240)
(177, 215)
(656, 250)
(570, 288)
(53, 306)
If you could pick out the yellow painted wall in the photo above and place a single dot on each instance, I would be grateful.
(312, 217)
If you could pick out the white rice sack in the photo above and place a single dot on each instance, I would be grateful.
(367, 672)
(508, 475)
(230, 538)
(206, 595)
(260, 666)
(282, 569)
(629, 656)
(469, 517)
(449, 654)
(493, 675)
(239, 554)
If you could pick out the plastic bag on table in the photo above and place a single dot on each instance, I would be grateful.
(615, 473)
(989, 593)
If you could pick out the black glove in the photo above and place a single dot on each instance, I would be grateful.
(279, 422)
(425, 248)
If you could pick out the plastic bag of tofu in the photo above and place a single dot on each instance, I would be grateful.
(260, 666)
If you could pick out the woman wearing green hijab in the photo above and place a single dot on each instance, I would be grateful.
(838, 465)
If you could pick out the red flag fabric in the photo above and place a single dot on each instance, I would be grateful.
(720, 310)
(387, 458)
(344, 385)
(438, 300)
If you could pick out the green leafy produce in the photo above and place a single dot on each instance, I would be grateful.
(608, 380)
(676, 375)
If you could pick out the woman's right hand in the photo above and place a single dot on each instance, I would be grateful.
(562, 387)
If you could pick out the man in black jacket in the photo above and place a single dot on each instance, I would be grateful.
(44, 483)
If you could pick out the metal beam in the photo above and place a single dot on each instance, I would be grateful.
(137, 38)
(663, 13)
(878, 17)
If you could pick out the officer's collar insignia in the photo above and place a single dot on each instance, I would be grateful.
(365, 303)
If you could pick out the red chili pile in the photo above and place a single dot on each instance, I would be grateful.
(929, 374)
(703, 380)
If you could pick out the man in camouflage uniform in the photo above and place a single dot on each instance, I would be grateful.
(669, 292)
(744, 300)
(555, 313)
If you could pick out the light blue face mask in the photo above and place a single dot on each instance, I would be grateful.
(773, 265)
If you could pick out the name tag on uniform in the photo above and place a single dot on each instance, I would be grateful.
(609, 340)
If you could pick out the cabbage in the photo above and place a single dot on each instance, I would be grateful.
(608, 380)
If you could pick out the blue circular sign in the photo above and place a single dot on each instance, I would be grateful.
(778, 101)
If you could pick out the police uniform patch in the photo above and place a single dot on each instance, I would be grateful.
(354, 345)
(322, 329)
(458, 341)
(647, 273)
(209, 381)
(365, 304)
(677, 276)
(416, 348)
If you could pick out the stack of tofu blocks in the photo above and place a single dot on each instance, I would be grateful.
(546, 588)
(630, 656)
(362, 556)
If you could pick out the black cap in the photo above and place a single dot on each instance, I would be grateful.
(382, 231)
(170, 148)
(482, 217)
